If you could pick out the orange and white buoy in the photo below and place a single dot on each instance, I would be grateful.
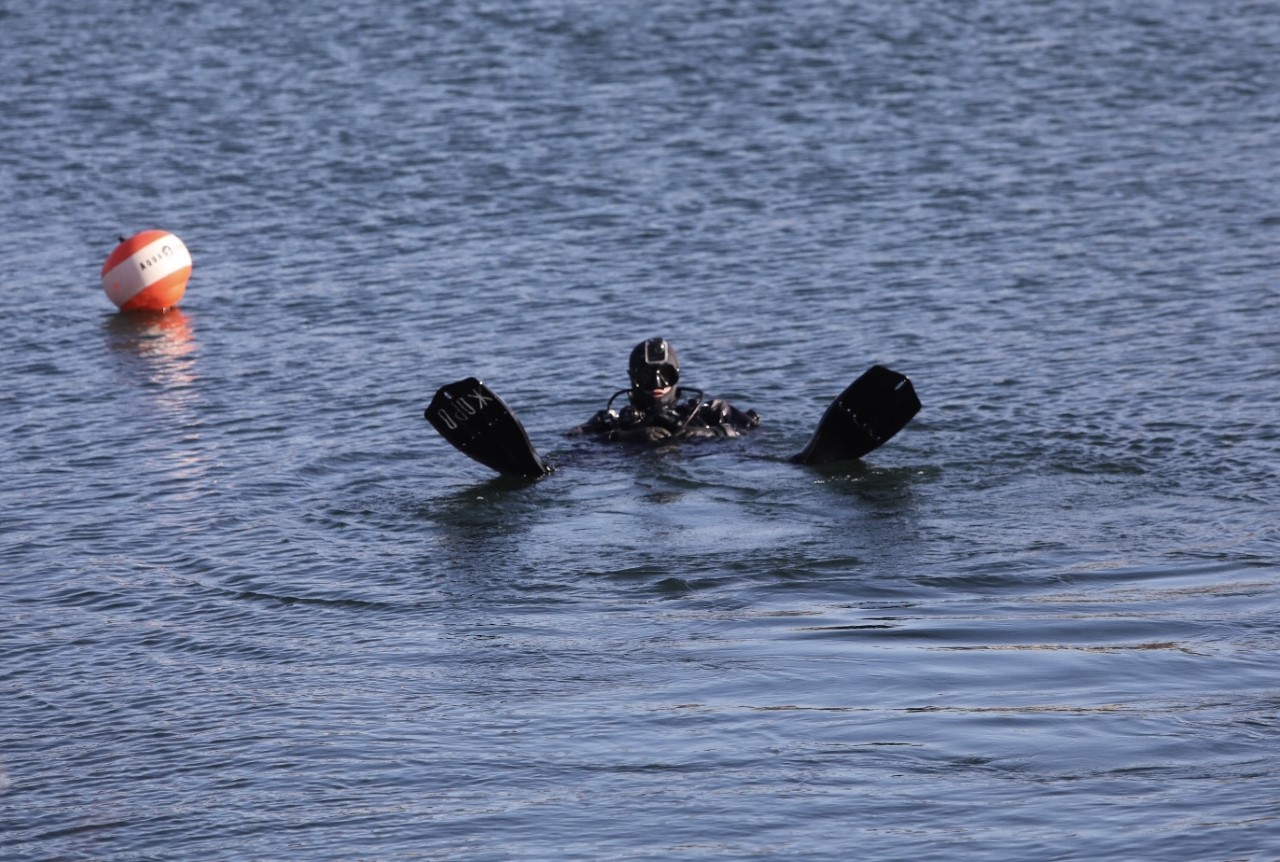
(147, 272)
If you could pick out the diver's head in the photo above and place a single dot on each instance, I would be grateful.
(654, 370)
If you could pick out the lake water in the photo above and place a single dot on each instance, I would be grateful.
(253, 607)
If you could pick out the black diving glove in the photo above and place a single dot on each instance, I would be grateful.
(641, 434)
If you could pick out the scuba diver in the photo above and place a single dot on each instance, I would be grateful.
(475, 421)
(658, 410)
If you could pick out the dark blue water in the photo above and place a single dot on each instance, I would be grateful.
(254, 608)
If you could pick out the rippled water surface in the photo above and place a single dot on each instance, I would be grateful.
(254, 608)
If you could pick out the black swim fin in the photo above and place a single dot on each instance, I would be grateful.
(477, 422)
(871, 410)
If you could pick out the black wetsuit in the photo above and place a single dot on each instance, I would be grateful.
(686, 417)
